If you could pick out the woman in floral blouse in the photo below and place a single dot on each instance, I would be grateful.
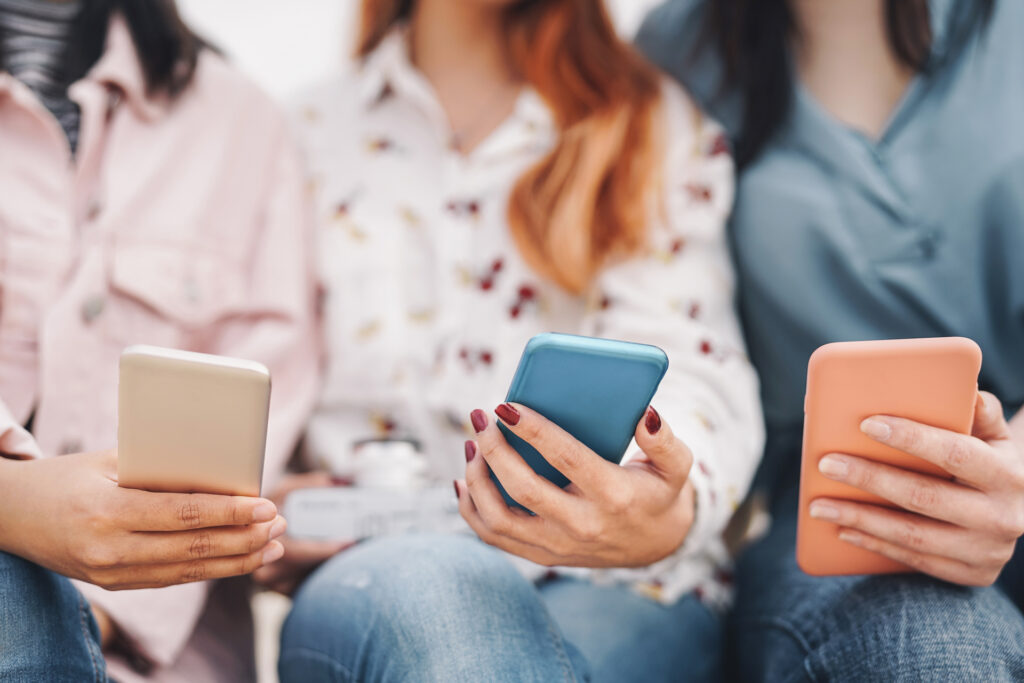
(489, 170)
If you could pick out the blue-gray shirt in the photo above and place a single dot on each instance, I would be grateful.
(839, 237)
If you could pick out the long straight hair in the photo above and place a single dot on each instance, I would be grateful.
(752, 38)
(168, 49)
(588, 200)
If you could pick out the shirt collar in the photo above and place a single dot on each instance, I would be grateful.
(386, 66)
(950, 23)
(119, 67)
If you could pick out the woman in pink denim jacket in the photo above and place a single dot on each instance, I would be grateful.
(152, 197)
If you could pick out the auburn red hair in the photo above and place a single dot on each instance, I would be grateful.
(587, 201)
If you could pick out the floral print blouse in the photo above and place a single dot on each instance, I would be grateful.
(428, 304)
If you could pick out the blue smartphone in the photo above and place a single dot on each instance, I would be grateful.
(595, 389)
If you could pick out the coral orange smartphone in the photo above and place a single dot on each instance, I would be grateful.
(191, 422)
(933, 381)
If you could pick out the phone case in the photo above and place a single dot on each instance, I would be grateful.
(191, 422)
(595, 389)
(933, 381)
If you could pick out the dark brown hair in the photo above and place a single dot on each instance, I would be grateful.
(168, 50)
(752, 38)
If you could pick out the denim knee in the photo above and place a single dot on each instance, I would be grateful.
(48, 632)
(892, 628)
(420, 607)
(919, 628)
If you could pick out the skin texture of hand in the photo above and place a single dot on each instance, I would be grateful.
(69, 515)
(609, 516)
(301, 557)
(962, 530)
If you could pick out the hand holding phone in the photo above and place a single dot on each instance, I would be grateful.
(69, 515)
(610, 515)
(906, 466)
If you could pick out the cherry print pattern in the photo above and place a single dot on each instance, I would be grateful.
(698, 192)
(468, 209)
(476, 358)
(497, 302)
(525, 296)
(719, 145)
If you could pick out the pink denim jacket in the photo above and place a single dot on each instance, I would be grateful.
(180, 224)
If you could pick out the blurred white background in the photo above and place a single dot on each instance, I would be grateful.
(285, 44)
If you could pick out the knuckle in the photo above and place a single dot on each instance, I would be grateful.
(1010, 524)
(189, 514)
(1000, 555)
(569, 456)
(530, 430)
(501, 525)
(619, 500)
(911, 536)
(547, 561)
(201, 546)
(957, 455)
(586, 530)
(98, 557)
(528, 495)
(983, 578)
(923, 496)
(1015, 477)
(193, 571)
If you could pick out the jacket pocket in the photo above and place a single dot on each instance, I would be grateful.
(170, 294)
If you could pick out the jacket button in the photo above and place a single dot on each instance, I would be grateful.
(92, 308)
(94, 210)
(69, 446)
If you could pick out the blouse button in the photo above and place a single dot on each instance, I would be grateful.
(92, 308)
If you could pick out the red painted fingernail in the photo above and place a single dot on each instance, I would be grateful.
(508, 414)
(652, 421)
(456, 485)
(479, 420)
(470, 451)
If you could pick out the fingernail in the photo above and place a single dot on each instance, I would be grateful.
(875, 428)
(278, 529)
(825, 511)
(479, 420)
(834, 466)
(264, 512)
(849, 537)
(470, 451)
(652, 421)
(274, 553)
(456, 485)
(508, 414)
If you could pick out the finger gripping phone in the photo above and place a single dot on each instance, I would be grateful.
(191, 422)
(932, 381)
(595, 389)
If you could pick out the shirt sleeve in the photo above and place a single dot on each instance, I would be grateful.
(279, 328)
(680, 297)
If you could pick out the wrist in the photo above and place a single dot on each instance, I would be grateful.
(10, 474)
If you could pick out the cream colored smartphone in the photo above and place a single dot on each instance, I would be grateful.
(191, 422)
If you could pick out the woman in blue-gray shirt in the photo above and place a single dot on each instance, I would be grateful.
(881, 195)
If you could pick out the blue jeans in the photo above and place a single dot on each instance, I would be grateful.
(449, 608)
(47, 632)
(788, 626)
